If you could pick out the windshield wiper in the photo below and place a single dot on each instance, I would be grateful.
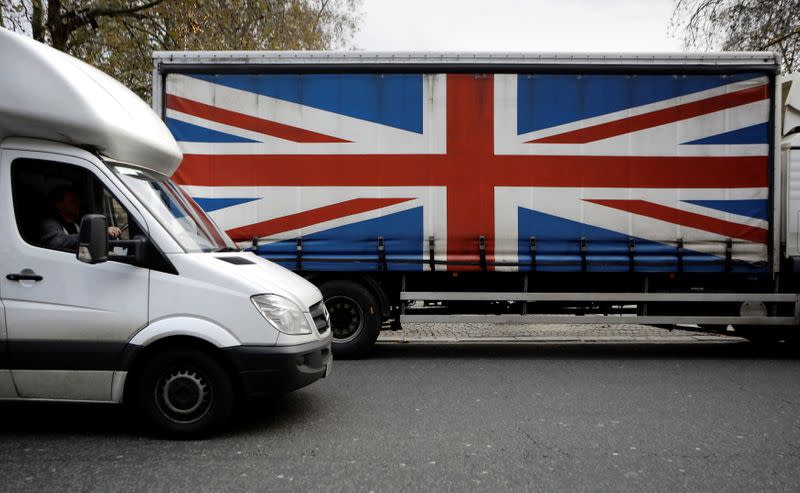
(226, 249)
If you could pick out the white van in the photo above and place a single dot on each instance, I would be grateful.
(116, 287)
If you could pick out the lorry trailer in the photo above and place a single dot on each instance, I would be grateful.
(502, 187)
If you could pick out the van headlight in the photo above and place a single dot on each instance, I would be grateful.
(282, 313)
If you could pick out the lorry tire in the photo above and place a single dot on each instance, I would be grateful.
(183, 392)
(355, 317)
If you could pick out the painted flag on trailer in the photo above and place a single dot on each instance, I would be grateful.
(598, 171)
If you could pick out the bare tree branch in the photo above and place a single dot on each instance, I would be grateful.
(319, 15)
(747, 25)
(780, 39)
(108, 12)
(74, 20)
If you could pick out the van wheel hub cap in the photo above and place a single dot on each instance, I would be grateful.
(184, 396)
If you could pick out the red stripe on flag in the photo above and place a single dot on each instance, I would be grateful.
(689, 219)
(234, 119)
(657, 118)
(310, 217)
(523, 171)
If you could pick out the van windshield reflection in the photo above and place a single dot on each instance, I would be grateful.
(176, 211)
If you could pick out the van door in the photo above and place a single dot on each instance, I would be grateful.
(7, 389)
(67, 322)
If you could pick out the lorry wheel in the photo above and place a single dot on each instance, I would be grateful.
(355, 317)
(183, 393)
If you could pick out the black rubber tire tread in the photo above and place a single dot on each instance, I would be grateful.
(154, 366)
(362, 344)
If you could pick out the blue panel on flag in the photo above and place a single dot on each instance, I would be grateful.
(187, 132)
(755, 134)
(547, 100)
(558, 249)
(213, 204)
(402, 232)
(388, 99)
(756, 208)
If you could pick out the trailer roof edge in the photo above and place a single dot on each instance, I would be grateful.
(718, 59)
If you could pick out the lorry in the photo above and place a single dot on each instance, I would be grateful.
(169, 316)
(609, 188)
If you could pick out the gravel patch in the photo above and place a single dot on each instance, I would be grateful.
(480, 332)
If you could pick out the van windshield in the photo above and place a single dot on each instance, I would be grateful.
(175, 210)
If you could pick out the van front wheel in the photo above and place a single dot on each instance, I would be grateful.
(355, 317)
(183, 392)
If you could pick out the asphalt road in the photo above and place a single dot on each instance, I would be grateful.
(631, 417)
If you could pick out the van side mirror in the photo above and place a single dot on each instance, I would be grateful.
(93, 239)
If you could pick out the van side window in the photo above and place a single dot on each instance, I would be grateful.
(116, 214)
(51, 198)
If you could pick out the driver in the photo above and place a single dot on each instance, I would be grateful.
(60, 231)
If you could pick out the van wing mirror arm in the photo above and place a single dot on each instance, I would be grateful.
(135, 250)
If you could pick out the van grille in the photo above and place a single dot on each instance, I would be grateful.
(320, 315)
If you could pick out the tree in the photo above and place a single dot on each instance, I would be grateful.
(746, 25)
(119, 36)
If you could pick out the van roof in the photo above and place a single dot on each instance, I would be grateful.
(47, 94)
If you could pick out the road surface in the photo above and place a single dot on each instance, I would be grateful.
(711, 416)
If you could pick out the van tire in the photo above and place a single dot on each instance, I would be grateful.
(355, 317)
(183, 393)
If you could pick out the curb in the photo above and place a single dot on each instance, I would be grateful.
(562, 339)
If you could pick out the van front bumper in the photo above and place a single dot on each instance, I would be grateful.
(265, 370)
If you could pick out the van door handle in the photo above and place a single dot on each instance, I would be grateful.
(24, 277)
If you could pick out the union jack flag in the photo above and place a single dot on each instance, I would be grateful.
(602, 172)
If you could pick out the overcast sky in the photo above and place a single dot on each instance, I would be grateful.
(517, 25)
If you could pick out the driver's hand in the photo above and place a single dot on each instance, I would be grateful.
(114, 232)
